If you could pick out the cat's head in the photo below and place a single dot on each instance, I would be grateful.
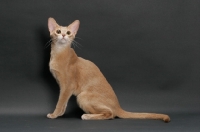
(62, 34)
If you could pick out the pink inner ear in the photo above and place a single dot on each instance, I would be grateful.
(51, 27)
(74, 27)
(51, 24)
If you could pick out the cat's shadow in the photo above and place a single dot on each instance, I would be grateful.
(73, 110)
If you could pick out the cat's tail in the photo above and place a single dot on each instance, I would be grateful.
(124, 114)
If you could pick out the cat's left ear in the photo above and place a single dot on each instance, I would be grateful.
(74, 27)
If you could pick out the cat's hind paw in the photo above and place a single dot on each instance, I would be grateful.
(51, 116)
(84, 117)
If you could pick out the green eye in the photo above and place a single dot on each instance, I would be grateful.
(68, 32)
(58, 31)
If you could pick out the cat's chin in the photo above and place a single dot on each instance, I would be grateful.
(62, 41)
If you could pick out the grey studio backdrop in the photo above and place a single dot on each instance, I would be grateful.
(149, 51)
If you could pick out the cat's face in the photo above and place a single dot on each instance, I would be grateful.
(60, 34)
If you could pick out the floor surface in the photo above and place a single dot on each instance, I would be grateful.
(184, 122)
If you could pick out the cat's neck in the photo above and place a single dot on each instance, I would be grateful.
(57, 48)
(63, 53)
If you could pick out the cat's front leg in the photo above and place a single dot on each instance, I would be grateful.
(63, 110)
(61, 105)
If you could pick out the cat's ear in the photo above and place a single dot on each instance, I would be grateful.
(52, 24)
(74, 26)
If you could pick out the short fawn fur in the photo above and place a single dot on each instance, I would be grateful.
(82, 78)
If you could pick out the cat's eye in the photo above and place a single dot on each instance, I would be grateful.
(68, 32)
(58, 31)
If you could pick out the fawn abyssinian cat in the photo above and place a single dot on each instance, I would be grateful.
(82, 78)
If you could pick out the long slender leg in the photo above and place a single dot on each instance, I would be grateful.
(65, 94)
(62, 101)
(63, 110)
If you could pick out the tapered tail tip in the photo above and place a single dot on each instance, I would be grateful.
(166, 119)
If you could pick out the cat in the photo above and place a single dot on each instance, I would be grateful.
(82, 78)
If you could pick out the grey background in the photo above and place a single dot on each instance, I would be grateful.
(148, 50)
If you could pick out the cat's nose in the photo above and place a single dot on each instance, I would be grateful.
(63, 35)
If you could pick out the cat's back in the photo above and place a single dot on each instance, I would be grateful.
(84, 64)
(88, 69)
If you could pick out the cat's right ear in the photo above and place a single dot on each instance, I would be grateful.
(52, 24)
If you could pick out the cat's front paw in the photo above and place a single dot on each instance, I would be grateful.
(51, 116)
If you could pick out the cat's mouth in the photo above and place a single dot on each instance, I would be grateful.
(63, 40)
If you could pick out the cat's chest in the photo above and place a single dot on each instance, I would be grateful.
(54, 64)
(58, 65)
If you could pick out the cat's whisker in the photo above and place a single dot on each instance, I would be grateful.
(48, 43)
(75, 44)
(78, 43)
(78, 38)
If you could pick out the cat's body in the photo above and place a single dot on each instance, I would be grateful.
(82, 78)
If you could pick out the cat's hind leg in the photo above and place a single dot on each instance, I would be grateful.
(97, 112)
(102, 116)
(95, 109)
